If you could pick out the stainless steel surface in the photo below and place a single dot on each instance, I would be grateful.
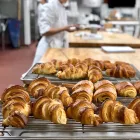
(30, 77)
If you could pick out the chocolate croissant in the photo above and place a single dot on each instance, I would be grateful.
(49, 109)
(83, 90)
(83, 111)
(137, 87)
(126, 89)
(120, 72)
(95, 74)
(114, 111)
(104, 90)
(58, 92)
(135, 105)
(16, 107)
(44, 68)
(72, 73)
(38, 86)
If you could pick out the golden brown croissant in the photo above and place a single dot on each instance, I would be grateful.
(44, 68)
(83, 90)
(126, 89)
(114, 111)
(94, 74)
(49, 109)
(38, 86)
(16, 107)
(137, 86)
(83, 111)
(57, 63)
(99, 64)
(15, 91)
(82, 66)
(120, 72)
(58, 92)
(73, 61)
(103, 94)
(88, 61)
(135, 105)
(72, 73)
(103, 84)
(108, 65)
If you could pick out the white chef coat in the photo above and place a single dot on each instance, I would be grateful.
(51, 15)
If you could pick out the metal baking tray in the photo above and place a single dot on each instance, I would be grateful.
(29, 77)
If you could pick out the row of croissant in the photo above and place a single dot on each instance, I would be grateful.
(54, 103)
(88, 68)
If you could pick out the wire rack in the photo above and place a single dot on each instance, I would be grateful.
(30, 77)
(46, 130)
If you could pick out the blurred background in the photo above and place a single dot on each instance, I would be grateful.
(19, 32)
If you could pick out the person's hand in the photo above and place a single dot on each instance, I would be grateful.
(71, 28)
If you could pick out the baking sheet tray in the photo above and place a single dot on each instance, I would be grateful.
(29, 77)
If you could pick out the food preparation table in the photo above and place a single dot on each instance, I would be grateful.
(82, 53)
(109, 39)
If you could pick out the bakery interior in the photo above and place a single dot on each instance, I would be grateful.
(70, 69)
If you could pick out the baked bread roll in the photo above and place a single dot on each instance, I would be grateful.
(83, 90)
(94, 73)
(137, 87)
(103, 84)
(120, 72)
(113, 111)
(83, 111)
(135, 105)
(58, 92)
(72, 73)
(126, 89)
(16, 107)
(44, 68)
(38, 86)
(49, 109)
(15, 91)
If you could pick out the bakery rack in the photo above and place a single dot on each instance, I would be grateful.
(28, 77)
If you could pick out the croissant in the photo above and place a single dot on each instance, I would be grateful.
(103, 84)
(94, 74)
(103, 94)
(71, 73)
(44, 68)
(135, 105)
(57, 64)
(38, 86)
(83, 111)
(15, 91)
(126, 89)
(108, 65)
(120, 72)
(58, 92)
(16, 107)
(88, 61)
(49, 109)
(99, 64)
(137, 87)
(114, 111)
(73, 61)
(83, 90)
(82, 66)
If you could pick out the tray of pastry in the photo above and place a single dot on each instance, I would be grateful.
(47, 111)
(73, 71)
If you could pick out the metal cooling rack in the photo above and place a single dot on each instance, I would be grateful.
(30, 77)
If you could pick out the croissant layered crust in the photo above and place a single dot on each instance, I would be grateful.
(120, 72)
(44, 68)
(49, 109)
(16, 107)
(137, 86)
(38, 86)
(114, 111)
(94, 73)
(83, 90)
(58, 92)
(126, 89)
(83, 111)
